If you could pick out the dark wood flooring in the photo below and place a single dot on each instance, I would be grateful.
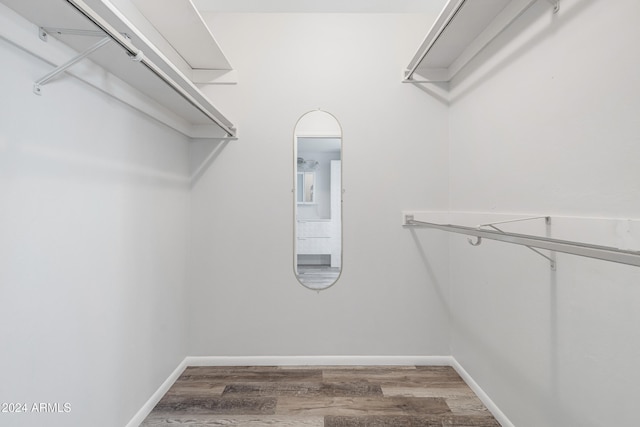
(332, 396)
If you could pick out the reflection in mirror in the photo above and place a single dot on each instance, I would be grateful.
(318, 200)
(305, 187)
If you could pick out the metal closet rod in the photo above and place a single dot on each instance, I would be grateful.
(606, 253)
(452, 15)
(138, 55)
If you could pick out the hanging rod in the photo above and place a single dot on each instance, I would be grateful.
(138, 55)
(606, 253)
(451, 15)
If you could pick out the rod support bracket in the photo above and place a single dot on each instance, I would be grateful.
(42, 33)
(555, 4)
(37, 86)
(138, 57)
(547, 221)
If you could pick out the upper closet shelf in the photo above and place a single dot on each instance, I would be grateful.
(182, 25)
(462, 30)
(147, 53)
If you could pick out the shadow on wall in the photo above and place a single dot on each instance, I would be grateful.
(427, 266)
(550, 397)
(48, 160)
(534, 394)
(202, 154)
(528, 392)
(437, 90)
(533, 14)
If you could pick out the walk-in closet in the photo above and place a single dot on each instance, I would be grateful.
(316, 213)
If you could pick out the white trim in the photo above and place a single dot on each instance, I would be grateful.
(146, 409)
(317, 360)
(484, 397)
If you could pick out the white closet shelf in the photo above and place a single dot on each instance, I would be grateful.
(183, 27)
(461, 31)
(131, 57)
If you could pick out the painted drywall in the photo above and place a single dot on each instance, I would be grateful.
(390, 300)
(545, 121)
(93, 244)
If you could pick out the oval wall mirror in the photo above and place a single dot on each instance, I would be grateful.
(317, 165)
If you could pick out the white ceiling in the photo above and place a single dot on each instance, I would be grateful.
(320, 6)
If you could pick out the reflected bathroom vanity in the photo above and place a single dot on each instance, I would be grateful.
(320, 237)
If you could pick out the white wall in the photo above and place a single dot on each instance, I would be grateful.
(389, 299)
(545, 121)
(93, 243)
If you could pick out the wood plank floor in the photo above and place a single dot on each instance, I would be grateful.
(331, 396)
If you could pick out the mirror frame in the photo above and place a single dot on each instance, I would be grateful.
(295, 195)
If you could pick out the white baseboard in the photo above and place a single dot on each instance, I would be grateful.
(484, 397)
(318, 361)
(155, 398)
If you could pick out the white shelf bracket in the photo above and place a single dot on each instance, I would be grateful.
(555, 4)
(547, 220)
(37, 86)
